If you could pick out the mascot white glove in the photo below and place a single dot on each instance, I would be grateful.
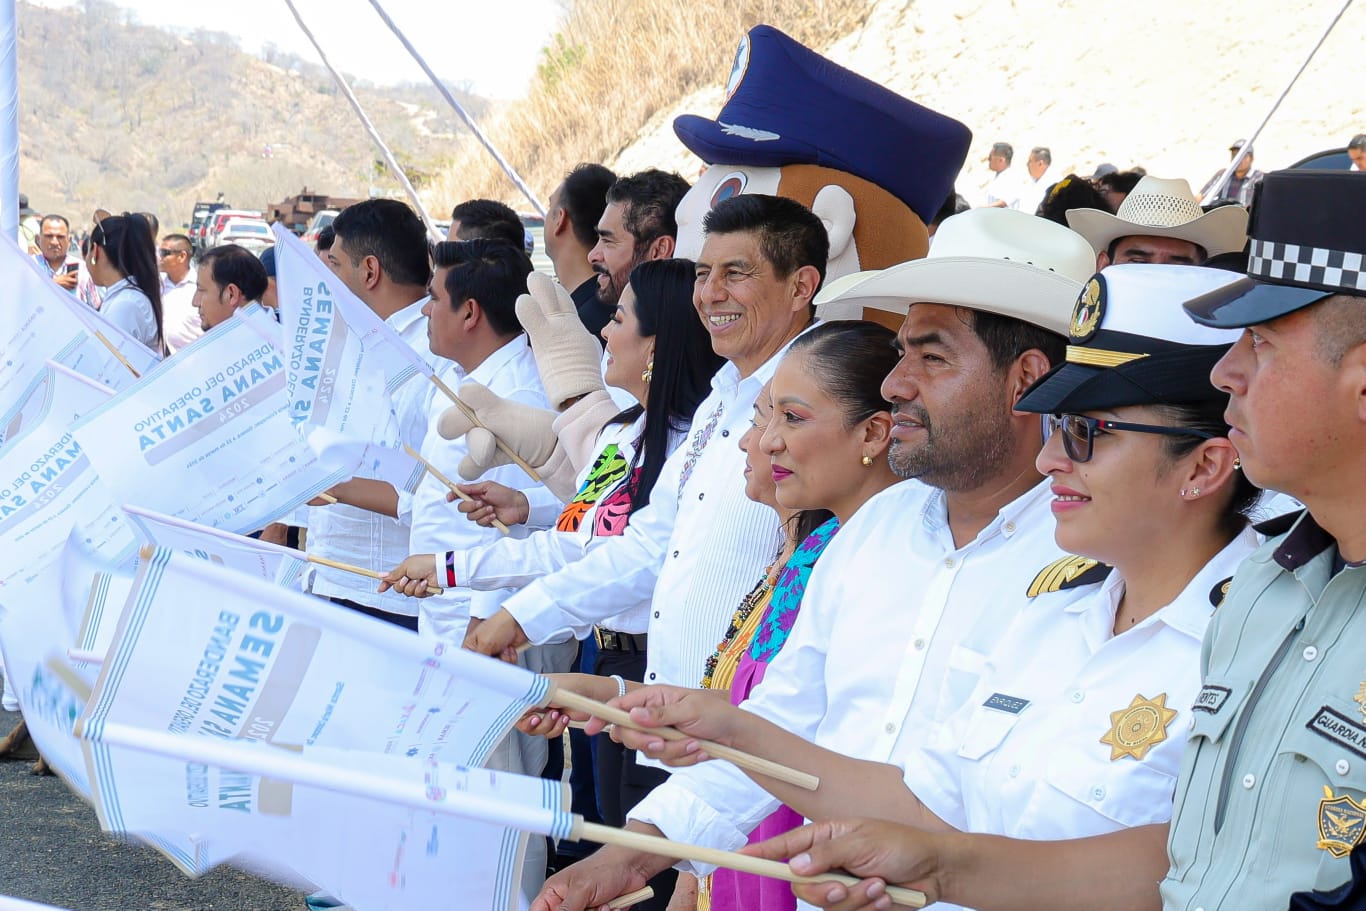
(525, 429)
(567, 355)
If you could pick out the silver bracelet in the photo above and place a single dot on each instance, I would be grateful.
(621, 685)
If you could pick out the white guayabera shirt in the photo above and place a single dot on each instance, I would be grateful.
(894, 630)
(695, 550)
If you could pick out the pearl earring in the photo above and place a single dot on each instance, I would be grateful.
(1237, 463)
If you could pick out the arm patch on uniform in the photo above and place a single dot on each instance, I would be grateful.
(1069, 572)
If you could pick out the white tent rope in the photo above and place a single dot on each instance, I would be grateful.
(464, 115)
(1218, 186)
(369, 128)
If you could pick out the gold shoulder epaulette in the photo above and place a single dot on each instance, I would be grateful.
(1069, 572)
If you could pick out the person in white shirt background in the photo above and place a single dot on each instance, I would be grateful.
(1005, 188)
(55, 254)
(180, 316)
(379, 253)
(122, 261)
(1041, 176)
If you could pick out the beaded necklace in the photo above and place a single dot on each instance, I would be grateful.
(757, 596)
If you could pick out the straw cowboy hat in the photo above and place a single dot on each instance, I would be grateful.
(1164, 208)
(996, 260)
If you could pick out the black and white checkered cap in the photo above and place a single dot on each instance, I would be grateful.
(1306, 244)
(1305, 265)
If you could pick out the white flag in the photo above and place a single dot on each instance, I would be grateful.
(201, 649)
(39, 322)
(16, 904)
(206, 436)
(366, 850)
(52, 692)
(47, 487)
(64, 393)
(272, 562)
(343, 368)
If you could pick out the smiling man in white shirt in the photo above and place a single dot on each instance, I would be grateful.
(699, 545)
(906, 601)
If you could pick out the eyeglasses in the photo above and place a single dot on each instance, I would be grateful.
(163, 252)
(1079, 432)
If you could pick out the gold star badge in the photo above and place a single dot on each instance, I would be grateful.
(1360, 700)
(1134, 730)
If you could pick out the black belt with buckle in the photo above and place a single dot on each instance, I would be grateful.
(613, 641)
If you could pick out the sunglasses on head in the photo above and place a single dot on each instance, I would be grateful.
(1079, 432)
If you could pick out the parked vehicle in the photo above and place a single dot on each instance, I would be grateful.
(251, 233)
(317, 223)
(220, 218)
(199, 221)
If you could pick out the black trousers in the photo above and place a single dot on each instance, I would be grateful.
(403, 620)
(621, 782)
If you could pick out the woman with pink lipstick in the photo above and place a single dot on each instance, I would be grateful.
(1077, 724)
(822, 432)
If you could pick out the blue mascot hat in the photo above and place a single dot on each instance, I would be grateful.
(786, 104)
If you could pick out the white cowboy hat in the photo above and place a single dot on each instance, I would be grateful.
(996, 260)
(1164, 208)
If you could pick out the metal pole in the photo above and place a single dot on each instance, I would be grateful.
(9, 119)
(1214, 190)
(369, 128)
(464, 115)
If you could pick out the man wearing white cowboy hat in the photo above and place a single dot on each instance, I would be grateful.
(924, 562)
(1161, 222)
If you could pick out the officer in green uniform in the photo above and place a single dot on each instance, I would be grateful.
(1271, 799)
(1272, 796)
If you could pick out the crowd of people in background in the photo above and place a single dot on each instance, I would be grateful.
(957, 558)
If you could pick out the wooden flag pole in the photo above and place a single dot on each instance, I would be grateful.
(358, 570)
(653, 844)
(631, 898)
(571, 700)
(436, 473)
(116, 352)
(473, 418)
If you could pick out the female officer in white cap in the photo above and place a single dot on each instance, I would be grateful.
(1078, 724)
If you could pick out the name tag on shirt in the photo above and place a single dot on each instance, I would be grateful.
(1211, 699)
(1011, 705)
(1339, 729)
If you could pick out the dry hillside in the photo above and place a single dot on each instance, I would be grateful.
(125, 116)
(1167, 84)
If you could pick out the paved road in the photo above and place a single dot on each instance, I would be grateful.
(52, 851)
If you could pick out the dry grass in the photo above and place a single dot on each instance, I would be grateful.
(613, 65)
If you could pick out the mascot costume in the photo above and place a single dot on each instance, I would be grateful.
(873, 166)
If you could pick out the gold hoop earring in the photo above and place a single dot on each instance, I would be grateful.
(649, 372)
(867, 461)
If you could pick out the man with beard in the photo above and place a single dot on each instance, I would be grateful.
(904, 605)
(638, 224)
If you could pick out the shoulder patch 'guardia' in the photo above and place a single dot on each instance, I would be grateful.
(1069, 572)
